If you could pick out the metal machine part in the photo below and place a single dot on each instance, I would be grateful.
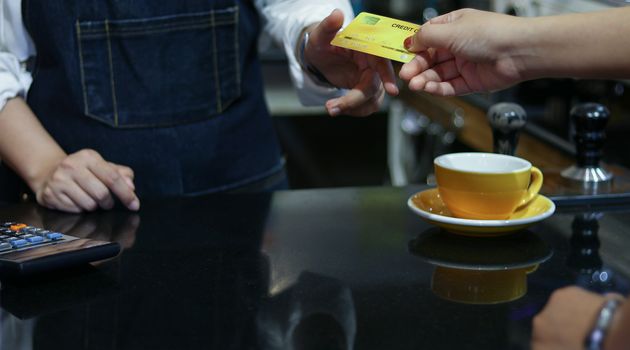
(589, 120)
(507, 120)
(414, 140)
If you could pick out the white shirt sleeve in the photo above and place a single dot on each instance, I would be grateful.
(285, 20)
(15, 48)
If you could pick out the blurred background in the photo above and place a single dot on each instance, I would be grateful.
(397, 145)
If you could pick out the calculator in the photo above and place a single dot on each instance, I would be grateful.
(27, 250)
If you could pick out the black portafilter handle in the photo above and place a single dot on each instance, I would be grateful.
(584, 251)
(589, 120)
(507, 119)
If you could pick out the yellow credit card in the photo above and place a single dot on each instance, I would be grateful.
(377, 35)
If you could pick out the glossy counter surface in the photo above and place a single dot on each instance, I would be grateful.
(349, 268)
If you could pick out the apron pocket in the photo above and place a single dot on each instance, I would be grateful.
(159, 71)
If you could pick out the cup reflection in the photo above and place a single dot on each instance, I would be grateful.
(474, 270)
(479, 286)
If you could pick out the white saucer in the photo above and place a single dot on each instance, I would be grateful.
(430, 207)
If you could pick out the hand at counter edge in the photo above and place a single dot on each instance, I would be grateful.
(367, 77)
(569, 316)
(81, 181)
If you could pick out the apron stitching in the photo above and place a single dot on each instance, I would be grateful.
(216, 70)
(172, 20)
(243, 182)
(111, 73)
(132, 33)
(85, 101)
(237, 62)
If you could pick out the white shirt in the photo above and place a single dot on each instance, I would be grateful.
(284, 19)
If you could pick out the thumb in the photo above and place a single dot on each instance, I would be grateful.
(437, 33)
(329, 26)
(437, 36)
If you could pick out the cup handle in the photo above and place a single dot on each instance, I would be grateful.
(535, 183)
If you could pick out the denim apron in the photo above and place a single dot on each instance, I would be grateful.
(171, 88)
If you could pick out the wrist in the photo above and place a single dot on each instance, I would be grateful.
(303, 53)
(526, 48)
(25, 146)
(36, 176)
(604, 323)
(549, 46)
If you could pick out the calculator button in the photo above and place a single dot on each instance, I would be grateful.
(17, 227)
(8, 224)
(29, 229)
(5, 246)
(19, 243)
(54, 235)
(35, 239)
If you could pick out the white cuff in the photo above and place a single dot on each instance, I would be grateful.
(14, 79)
(285, 22)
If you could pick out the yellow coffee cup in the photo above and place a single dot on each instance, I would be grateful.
(485, 186)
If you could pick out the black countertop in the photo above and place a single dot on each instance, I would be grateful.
(309, 269)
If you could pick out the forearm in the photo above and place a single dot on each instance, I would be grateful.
(585, 45)
(25, 146)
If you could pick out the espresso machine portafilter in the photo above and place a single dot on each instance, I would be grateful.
(589, 120)
(507, 119)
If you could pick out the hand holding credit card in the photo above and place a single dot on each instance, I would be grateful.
(377, 35)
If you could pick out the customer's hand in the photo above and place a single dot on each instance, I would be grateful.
(464, 51)
(566, 319)
(368, 77)
(473, 51)
(84, 181)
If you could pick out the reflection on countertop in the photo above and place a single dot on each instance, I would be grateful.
(264, 271)
(475, 270)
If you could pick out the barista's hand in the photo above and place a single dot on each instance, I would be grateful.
(567, 318)
(368, 77)
(84, 181)
(465, 51)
